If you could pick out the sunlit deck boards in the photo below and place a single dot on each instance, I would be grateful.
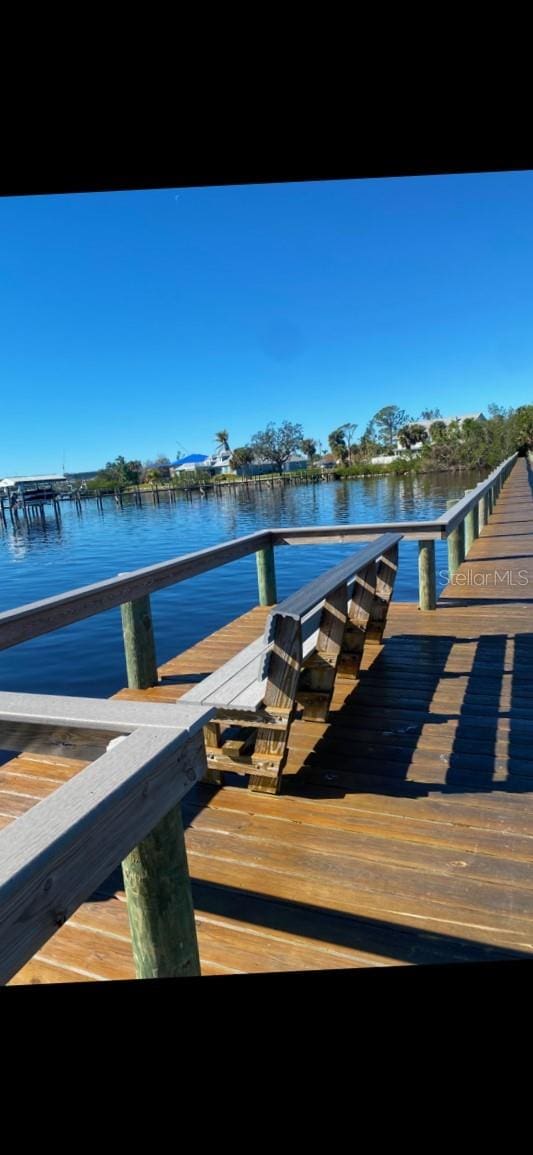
(500, 561)
(404, 833)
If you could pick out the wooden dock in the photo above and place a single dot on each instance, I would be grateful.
(404, 830)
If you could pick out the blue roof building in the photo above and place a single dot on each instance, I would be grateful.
(185, 464)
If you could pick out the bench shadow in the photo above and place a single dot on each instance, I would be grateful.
(386, 731)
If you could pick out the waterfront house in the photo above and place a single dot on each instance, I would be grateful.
(188, 464)
(400, 451)
(219, 462)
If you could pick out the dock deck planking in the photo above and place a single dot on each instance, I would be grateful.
(404, 831)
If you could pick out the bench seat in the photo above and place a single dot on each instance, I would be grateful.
(318, 630)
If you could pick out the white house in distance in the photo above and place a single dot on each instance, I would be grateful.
(400, 450)
(220, 462)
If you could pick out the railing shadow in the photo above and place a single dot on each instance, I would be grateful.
(385, 736)
(368, 935)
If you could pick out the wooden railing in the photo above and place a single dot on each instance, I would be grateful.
(460, 525)
(125, 805)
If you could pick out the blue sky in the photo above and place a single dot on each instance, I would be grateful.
(143, 322)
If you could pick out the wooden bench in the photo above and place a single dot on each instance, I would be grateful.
(320, 630)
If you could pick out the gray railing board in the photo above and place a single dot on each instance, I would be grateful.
(345, 534)
(109, 714)
(57, 853)
(41, 617)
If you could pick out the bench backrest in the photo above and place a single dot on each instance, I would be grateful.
(243, 679)
(309, 596)
(306, 604)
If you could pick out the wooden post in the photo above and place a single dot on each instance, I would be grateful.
(139, 645)
(266, 576)
(427, 585)
(482, 512)
(470, 527)
(160, 908)
(456, 545)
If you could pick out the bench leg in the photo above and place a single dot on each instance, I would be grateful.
(260, 784)
(317, 679)
(212, 737)
(386, 570)
(362, 600)
(280, 694)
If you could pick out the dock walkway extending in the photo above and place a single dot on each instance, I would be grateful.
(404, 830)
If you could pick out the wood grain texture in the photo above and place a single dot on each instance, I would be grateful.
(427, 584)
(160, 910)
(139, 643)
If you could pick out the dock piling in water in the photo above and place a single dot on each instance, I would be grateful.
(427, 585)
(266, 576)
(139, 644)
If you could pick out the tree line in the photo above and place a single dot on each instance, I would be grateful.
(471, 443)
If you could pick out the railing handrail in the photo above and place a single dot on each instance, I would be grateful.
(42, 617)
(49, 614)
(455, 514)
(56, 854)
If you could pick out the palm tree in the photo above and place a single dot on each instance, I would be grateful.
(222, 439)
(412, 434)
(337, 444)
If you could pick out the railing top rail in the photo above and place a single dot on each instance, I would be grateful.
(41, 617)
(57, 853)
(358, 531)
(457, 512)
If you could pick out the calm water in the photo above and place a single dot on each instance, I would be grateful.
(39, 560)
